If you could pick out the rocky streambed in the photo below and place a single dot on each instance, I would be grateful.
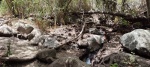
(23, 44)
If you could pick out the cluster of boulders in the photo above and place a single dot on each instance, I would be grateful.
(22, 41)
(134, 51)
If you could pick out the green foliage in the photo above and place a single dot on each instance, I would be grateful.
(42, 7)
(8, 48)
(114, 65)
(27, 7)
(124, 22)
(131, 59)
(99, 4)
(3, 7)
(59, 8)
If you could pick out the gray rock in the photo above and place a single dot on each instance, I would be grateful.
(45, 41)
(35, 35)
(17, 50)
(138, 40)
(95, 18)
(50, 42)
(93, 42)
(68, 62)
(23, 28)
(125, 60)
(47, 55)
(30, 36)
(36, 32)
(5, 29)
(3, 21)
(95, 31)
(26, 30)
(37, 40)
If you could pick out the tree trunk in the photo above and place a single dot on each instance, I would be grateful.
(11, 7)
(0, 1)
(123, 5)
(148, 12)
(148, 8)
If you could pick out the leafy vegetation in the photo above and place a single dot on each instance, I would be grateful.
(114, 65)
(3, 7)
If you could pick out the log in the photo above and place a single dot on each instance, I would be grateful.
(127, 17)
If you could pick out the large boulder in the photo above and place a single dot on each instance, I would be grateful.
(16, 50)
(93, 42)
(26, 29)
(137, 41)
(47, 55)
(122, 59)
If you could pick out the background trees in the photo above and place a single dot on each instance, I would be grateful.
(60, 9)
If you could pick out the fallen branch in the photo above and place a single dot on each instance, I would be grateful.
(127, 17)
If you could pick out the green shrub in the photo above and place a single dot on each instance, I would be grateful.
(3, 7)
(114, 65)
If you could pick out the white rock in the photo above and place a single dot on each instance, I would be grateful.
(138, 39)
(94, 42)
(5, 29)
(50, 42)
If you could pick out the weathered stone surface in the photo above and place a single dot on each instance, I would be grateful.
(36, 40)
(125, 60)
(5, 29)
(95, 18)
(36, 36)
(47, 55)
(36, 32)
(23, 28)
(50, 42)
(137, 40)
(17, 50)
(45, 41)
(71, 53)
(93, 42)
(68, 62)
(96, 31)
